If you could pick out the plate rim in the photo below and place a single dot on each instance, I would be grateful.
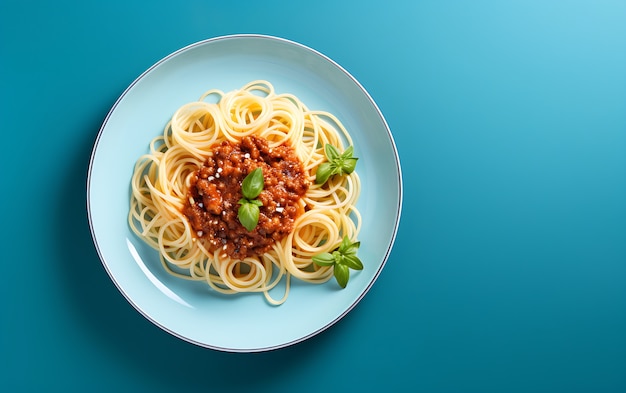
(187, 48)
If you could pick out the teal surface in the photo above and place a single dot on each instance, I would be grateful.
(509, 270)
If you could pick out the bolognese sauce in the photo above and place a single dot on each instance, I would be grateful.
(215, 190)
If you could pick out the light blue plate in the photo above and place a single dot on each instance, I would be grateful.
(190, 310)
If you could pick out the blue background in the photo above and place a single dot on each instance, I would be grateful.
(509, 268)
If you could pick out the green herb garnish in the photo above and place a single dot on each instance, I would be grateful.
(251, 187)
(337, 164)
(342, 259)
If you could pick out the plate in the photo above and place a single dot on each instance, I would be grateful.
(191, 310)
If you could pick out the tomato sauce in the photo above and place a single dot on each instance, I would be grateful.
(216, 188)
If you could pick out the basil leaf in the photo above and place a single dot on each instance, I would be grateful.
(253, 184)
(248, 215)
(353, 262)
(324, 171)
(348, 165)
(345, 245)
(348, 152)
(256, 202)
(342, 275)
(324, 259)
(348, 248)
(354, 248)
(331, 152)
(338, 258)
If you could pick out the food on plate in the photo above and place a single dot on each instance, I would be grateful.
(246, 189)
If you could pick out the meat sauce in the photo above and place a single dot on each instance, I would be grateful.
(216, 188)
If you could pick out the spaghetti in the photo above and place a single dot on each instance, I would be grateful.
(163, 177)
